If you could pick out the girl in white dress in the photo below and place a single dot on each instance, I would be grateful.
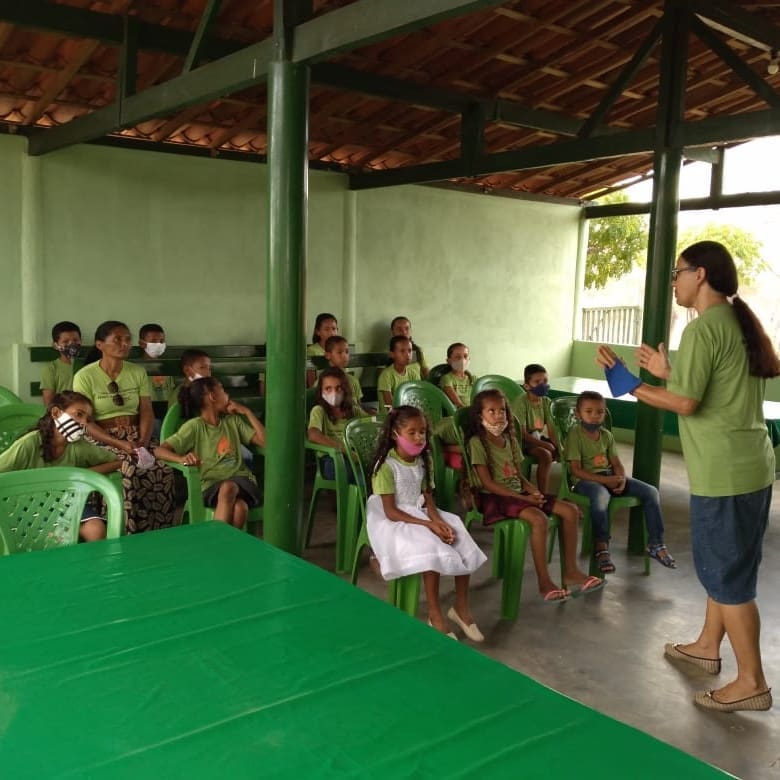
(407, 532)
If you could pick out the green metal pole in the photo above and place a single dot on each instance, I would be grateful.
(661, 248)
(288, 96)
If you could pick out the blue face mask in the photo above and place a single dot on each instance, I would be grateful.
(540, 391)
(590, 427)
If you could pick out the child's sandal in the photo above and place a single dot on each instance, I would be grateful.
(604, 561)
(662, 555)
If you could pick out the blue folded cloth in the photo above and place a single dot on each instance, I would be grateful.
(621, 380)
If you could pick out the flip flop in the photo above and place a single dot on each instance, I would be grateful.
(591, 585)
(556, 596)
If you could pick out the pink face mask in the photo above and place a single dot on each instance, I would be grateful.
(408, 447)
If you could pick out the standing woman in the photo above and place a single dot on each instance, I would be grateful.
(119, 392)
(717, 387)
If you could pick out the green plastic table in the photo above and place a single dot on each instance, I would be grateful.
(201, 652)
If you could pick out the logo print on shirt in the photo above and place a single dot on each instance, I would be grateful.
(223, 446)
(509, 470)
(600, 460)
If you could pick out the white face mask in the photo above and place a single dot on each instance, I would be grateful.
(497, 429)
(68, 428)
(196, 376)
(155, 350)
(462, 364)
(333, 398)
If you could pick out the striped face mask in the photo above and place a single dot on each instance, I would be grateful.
(68, 428)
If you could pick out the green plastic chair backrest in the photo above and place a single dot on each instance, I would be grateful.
(426, 397)
(16, 419)
(507, 386)
(42, 508)
(437, 372)
(171, 422)
(8, 397)
(361, 437)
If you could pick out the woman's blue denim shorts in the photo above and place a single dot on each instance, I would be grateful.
(727, 535)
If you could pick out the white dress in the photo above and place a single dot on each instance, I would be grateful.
(408, 548)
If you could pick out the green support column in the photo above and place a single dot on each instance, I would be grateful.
(661, 248)
(288, 97)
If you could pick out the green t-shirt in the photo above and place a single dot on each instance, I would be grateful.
(357, 390)
(383, 482)
(389, 378)
(93, 382)
(333, 429)
(462, 387)
(57, 376)
(594, 455)
(161, 388)
(501, 463)
(26, 453)
(315, 350)
(725, 441)
(533, 417)
(217, 446)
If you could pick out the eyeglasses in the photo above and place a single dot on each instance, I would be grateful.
(113, 387)
(677, 271)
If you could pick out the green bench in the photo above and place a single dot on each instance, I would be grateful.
(237, 366)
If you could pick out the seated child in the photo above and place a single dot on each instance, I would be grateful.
(57, 376)
(402, 326)
(398, 372)
(407, 532)
(195, 364)
(597, 473)
(457, 385)
(151, 339)
(337, 354)
(533, 412)
(212, 441)
(57, 440)
(325, 326)
(333, 408)
(504, 493)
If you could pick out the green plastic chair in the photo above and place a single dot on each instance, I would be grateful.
(510, 537)
(435, 405)
(564, 420)
(362, 436)
(507, 386)
(16, 419)
(41, 508)
(9, 397)
(345, 539)
(194, 509)
(437, 372)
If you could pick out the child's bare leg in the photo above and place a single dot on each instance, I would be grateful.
(544, 459)
(92, 530)
(569, 515)
(431, 582)
(226, 499)
(240, 513)
(462, 598)
(538, 522)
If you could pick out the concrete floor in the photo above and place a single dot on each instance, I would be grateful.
(606, 650)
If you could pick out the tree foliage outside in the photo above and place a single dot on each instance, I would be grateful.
(745, 248)
(615, 245)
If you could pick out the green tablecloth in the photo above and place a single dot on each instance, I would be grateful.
(201, 652)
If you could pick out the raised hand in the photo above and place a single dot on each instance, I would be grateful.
(656, 361)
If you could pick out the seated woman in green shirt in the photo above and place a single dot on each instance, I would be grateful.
(334, 406)
(213, 440)
(57, 440)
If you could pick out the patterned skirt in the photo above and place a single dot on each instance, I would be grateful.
(148, 493)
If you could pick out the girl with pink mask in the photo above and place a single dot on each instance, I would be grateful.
(408, 533)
